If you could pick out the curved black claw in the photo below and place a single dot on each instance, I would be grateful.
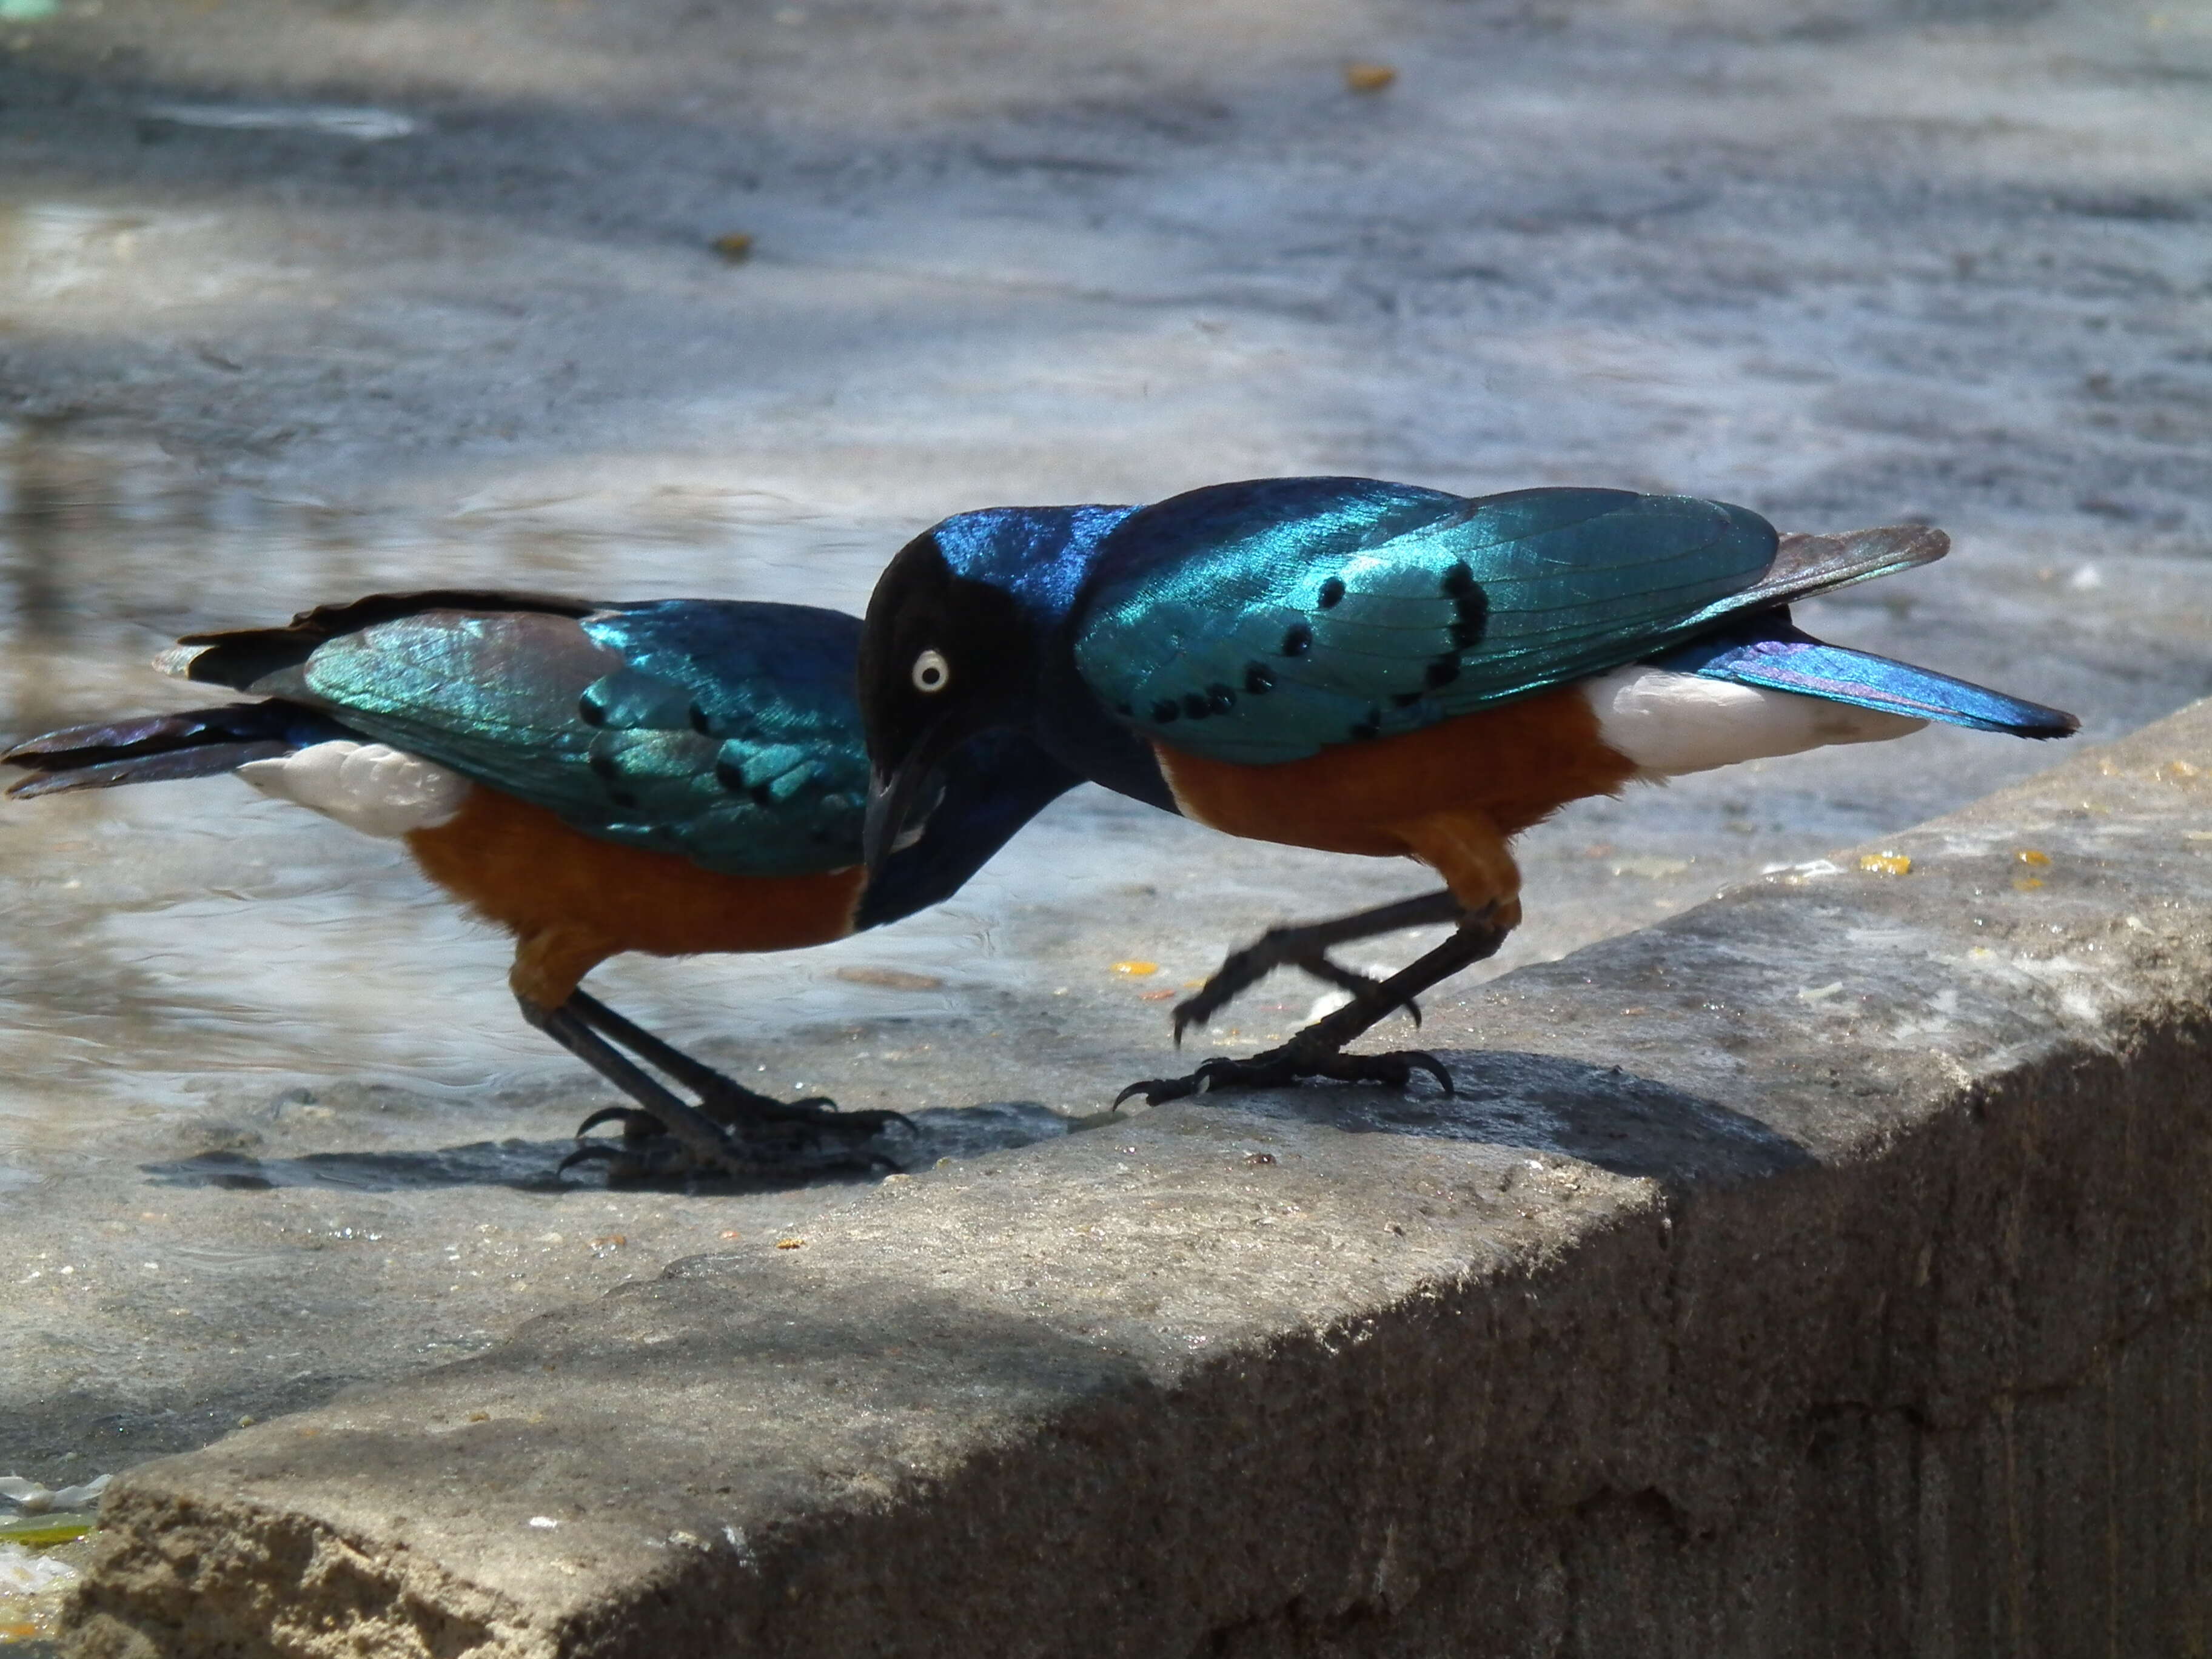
(622, 1163)
(1277, 1068)
(637, 1125)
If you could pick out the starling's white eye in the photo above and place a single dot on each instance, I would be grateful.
(932, 674)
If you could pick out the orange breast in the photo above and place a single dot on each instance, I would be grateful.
(572, 900)
(1452, 794)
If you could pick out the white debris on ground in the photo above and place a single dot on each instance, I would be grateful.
(30, 1497)
(26, 1572)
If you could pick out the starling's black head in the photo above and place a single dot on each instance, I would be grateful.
(943, 657)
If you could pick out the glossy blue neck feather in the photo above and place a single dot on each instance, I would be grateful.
(1038, 555)
(1041, 556)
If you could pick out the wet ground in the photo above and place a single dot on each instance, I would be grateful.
(299, 300)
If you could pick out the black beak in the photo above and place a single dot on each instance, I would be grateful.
(892, 799)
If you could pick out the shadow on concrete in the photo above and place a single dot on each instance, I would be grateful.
(1629, 1125)
(80, 1431)
(533, 1166)
(526, 1164)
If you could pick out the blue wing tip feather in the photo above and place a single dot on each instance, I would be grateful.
(1769, 652)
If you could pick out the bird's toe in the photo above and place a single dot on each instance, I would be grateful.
(734, 1133)
(1393, 1070)
(1277, 1068)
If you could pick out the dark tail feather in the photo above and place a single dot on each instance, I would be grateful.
(1806, 565)
(197, 744)
(209, 761)
(237, 657)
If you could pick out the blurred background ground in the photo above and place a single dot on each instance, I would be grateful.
(303, 298)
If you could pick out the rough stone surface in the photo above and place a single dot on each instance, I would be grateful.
(1822, 1270)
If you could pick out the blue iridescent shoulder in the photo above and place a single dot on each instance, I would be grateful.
(1258, 525)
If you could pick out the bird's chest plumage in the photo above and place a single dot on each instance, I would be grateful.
(573, 900)
(1508, 766)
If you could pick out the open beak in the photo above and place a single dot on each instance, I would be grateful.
(892, 799)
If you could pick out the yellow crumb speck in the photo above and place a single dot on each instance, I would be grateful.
(790, 1243)
(1886, 864)
(891, 979)
(1136, 969)
(2025, 883)
(1369, 77)
(737, 247)
(2029, 856)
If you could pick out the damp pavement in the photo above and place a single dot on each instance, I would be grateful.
(300, 301)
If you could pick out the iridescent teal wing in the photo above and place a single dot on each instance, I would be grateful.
(1261, 622)
(725, 731)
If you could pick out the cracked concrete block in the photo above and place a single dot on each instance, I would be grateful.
(1823, 1271)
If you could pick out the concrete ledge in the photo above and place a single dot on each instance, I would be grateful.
(1861, 1311)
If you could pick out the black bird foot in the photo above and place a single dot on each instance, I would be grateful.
(649, 1157)
(794, 1130)
(752, 1135)
(732, 1103)
(1277, 1068)
(727, 1130)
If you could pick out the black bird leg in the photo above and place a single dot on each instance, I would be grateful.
(722, 1098)
(1304, 944)
(1318, 1051)
(732, 1130)
(696, 1140)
